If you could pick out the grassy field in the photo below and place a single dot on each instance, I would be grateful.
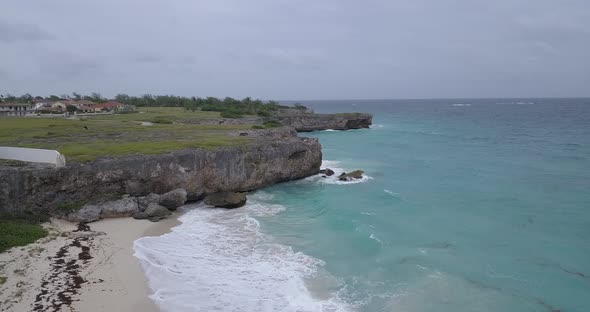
(111, 135)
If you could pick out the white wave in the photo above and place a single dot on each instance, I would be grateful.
(218, 260)
(391, 193)
(329, 130)
(260, 196)
(515, 103)
(377, 126)
(375, 238)
(367, 213)
(335, 166)
(461, 104)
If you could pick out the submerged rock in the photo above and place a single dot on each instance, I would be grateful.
(328, 172)
(226, 200)
(155, 212)
(357, 174)
(173, 199)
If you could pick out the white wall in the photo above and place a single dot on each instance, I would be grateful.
(33, 155)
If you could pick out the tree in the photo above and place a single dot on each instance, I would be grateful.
(25, 98)
(123, 98)
(71, 109)
(9, 98)
(54, 97)
(96, 97)
(76, 96)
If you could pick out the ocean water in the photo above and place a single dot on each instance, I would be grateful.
(468, 205)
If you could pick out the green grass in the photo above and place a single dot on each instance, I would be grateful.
(122, 134)
(272, 124)
(19, 233)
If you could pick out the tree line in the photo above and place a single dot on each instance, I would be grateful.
(229, 107)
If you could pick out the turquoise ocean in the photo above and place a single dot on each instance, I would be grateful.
(468, 205)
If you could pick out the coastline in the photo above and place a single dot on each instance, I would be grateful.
(89, 270)
(91, 266)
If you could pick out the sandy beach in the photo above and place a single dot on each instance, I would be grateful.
(78, 268)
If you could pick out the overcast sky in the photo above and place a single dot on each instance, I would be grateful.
(297, 49)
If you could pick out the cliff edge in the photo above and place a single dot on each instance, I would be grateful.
(199, 171)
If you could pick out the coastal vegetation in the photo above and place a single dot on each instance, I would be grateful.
(154, 130)
(227, 107)
(19, 232)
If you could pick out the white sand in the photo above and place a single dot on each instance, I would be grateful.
(112, 279)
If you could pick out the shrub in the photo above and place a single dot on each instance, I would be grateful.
(18, 233)
(272, 124)
(231, 114)
(257, 127)
(263, 113)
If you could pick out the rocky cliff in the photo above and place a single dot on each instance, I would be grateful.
(302, 122)
(200, 172)
(314, 122)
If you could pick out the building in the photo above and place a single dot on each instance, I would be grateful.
(60, 104)
(17, 109)
(110, 106)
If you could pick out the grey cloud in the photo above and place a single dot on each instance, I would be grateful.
(10, 33)
(302, 49)
(291, 58)
(69, 66)
(147, 58)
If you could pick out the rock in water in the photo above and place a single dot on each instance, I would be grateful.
(173, 199)
(155, 212)
(328, 172)
(226, 200)
(357, 174)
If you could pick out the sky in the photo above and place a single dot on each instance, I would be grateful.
(297, 49)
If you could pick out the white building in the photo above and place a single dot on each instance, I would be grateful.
(16, 109)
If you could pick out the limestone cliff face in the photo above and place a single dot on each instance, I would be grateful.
(200, 172)
(314, 122)
(303, 121)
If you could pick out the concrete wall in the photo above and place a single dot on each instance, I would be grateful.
(33, 155)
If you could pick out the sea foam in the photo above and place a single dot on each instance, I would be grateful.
(218, 260)
(335, 166)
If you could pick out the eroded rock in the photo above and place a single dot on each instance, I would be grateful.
(328, 172)
(119, 208)
(354, 175)
(226, 200)
(155, 212)
(88, 213)
(173, 199)
(144, 201)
